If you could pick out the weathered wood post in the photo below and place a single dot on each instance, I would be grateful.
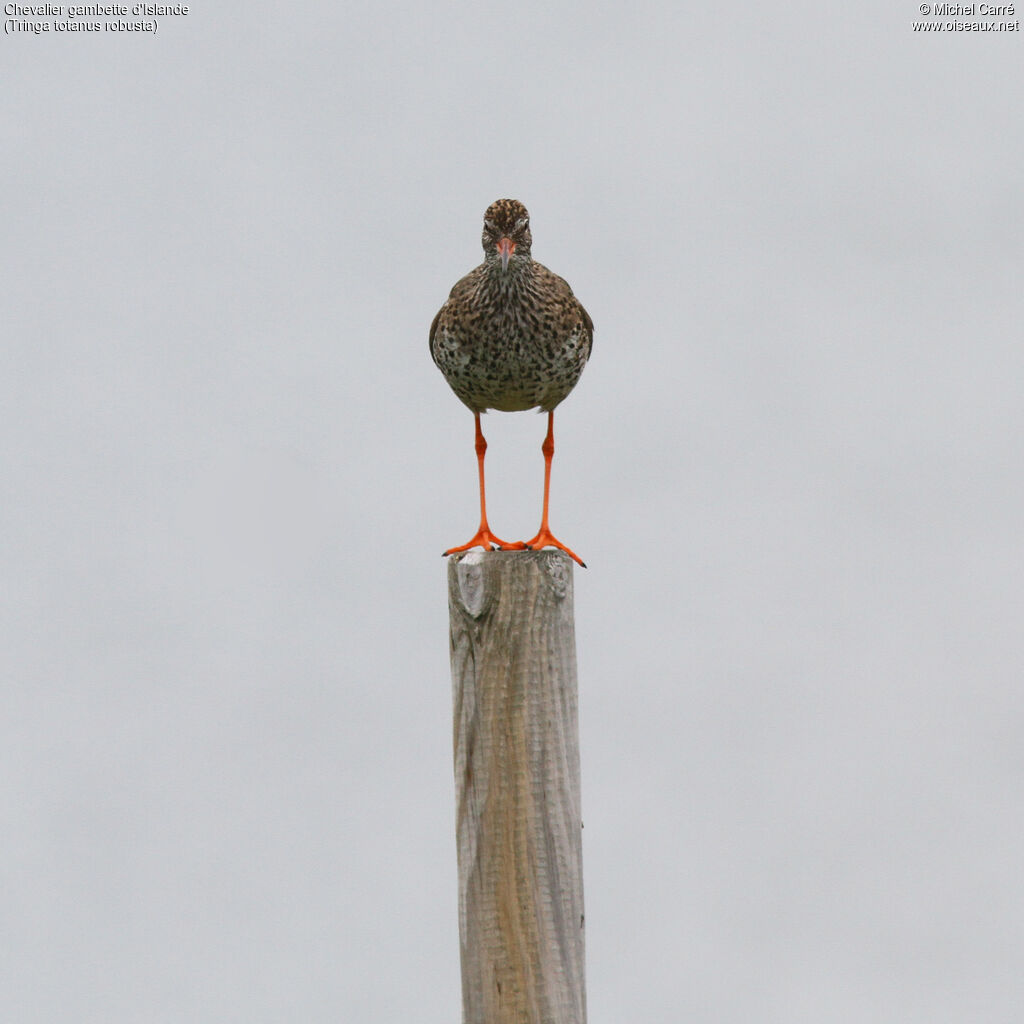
(517, 781)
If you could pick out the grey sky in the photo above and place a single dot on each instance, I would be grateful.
(792, 465)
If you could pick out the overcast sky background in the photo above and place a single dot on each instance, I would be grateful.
(793, 466)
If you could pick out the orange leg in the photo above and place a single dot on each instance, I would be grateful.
(544, 537)
(483, 537)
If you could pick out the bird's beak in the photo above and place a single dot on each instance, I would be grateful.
(506, 247)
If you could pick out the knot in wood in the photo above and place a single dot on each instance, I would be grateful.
(559, 570)
(469, 572)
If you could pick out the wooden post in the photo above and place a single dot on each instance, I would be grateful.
(517, 781)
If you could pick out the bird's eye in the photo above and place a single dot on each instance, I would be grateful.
(490, 225)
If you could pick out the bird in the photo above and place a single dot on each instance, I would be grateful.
(512, 336)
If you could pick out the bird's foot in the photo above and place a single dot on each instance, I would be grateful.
(546, 539)
(483, 538)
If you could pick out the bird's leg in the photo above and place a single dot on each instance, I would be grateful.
(544, 537)
(483, 537)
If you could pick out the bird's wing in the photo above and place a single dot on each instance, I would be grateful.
(433, 331)
(571, 307)
(588, 326)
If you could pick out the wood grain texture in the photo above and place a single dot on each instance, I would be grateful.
(517, 778)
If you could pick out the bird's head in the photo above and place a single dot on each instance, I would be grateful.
(506, 231)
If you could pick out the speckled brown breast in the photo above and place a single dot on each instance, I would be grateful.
(511, 340)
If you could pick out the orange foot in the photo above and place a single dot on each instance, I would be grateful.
(546, 539)
(483, 538)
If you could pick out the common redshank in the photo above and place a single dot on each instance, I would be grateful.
(512, 336)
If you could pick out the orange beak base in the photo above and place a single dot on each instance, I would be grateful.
(506, 247)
